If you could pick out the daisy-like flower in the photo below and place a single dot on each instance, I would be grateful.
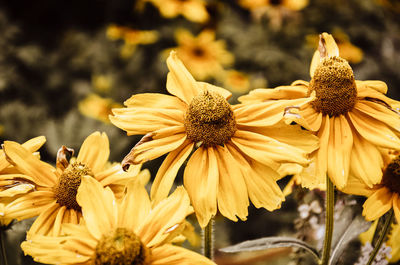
(203, 55)
(382, 196)
(51, 192)
(193, 10)
(96, 107)
(126, 233)
(353, 119)
(231, 162)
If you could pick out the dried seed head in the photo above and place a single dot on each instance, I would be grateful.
(334, 86)
(67, 186)
(210, 119)
(121, 247)
(391, 176)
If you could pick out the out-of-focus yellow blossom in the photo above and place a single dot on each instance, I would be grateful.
(237, 82)
(393, 5)
(347, 50)
(131, 37)
(193, 10)
(102, 83)
(96, 107)
(202, 54)
(275, 9)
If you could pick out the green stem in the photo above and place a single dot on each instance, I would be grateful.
(3, 248)
(382, 236)
(208, 240)
(329, 211)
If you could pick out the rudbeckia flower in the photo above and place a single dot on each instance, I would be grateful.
(382, 196)
(353, 119)
(130, 232)
(193, 10)
(52, 191)
(230, 161)
(203, 55)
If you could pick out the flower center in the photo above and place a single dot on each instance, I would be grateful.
(391, 176)
(210, 119)
(334, 86)
(67, 186)
(121, 247)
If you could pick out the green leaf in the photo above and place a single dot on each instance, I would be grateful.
(271, 242)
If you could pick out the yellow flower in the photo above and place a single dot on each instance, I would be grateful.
(236, 81)
(353, 119)
(130, 232)
(231, 163)
(347, 50)
(96, 107)
(294, 5)
(131, 37)
(52, 191)
(202, 55)
(193, 10)
(382, 196)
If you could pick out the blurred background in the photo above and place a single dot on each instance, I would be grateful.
(65, 65)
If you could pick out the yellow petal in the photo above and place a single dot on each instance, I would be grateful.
(29, 205)
(180, 82)
(330, 45)
(396, 206)
(203, 86)
(377, 85)
(167, 172)
(174, 255)
(98, 206)
(260, 181)
(45, 223)
(321, 158)
(377, 204)
(201, 182)
(154, 100)
(374, 131)
(27, 163)
(164, 218)
(134, 207)
(339, 150)
(356, 186)
(280, 92)
(158, 147)
(232, 194)
(95, 151)
(195, 11)
(19, 189)
(366, 161)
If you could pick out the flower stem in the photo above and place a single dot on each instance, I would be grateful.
(383, 233)
(208, 240)
(3, 248)
(329, 211)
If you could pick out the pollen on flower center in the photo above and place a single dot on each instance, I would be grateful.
(121, 247)
(68, 183)
(391, 176)
(334, 86)
(210, 119)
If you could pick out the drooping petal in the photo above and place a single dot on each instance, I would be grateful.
(164, 218)
(29, 205)
(312, 117)
(267, 150)
(167, 172)
(232, 194)
(321, 158)
(180, 82)
(376, 132)
(95, 151)
(45, 223)
(98, 206)
(201, 181)
(280, 92)
(42, 173)
(134, 207)
(157, 147)
(366, 161)
(339, 150)
(377, 204)
(356, 186)
(174, 255)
